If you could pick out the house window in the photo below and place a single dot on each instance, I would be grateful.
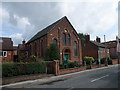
(64, 39)
(3, 54)
(75, 48)
(68, 39)
(55, 41)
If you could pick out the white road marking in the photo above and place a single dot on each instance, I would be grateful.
(99, 78)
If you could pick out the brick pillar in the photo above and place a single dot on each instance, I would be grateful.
(56, 67)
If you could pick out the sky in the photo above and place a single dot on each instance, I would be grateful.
(22, 20)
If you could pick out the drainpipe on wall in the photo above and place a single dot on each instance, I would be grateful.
(99, 56)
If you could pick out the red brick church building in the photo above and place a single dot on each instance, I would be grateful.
(61, 33)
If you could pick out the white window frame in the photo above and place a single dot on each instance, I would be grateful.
(3, 54)
(6, 53)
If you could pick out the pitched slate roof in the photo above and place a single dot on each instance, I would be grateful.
(99, 44)
(111, 44)
(45, 30)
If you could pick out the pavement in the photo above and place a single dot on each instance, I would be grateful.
(66, 81)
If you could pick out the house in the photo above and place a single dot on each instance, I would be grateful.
(22, 51)
(61, 33)
(15, 53)
(6, 50)
(94, 49)
(112, 45)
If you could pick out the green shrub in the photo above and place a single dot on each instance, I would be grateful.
(52, 53)
(78, 64)
(32, 58)
(108, 58)
(62, 66)
(88, 58)
(70, 64)
(15, 69)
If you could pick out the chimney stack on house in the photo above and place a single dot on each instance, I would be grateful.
(23, 44)
(98, 39)
(87, 37)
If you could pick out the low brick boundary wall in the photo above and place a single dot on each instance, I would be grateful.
(115, 61)
(14, 79)
(97, 66)
(65, 71)
(59, 71)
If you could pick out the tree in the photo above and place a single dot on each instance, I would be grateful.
(82, 37)
(88, 59)
(52, 53)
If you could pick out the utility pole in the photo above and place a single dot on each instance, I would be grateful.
(106, 63)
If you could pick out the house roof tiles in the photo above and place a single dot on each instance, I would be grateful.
(6, 43)
(99, 44)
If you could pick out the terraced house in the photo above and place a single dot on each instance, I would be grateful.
(95, 49)
(63, 34)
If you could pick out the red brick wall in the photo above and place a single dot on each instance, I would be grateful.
(113, 53)
(97, 66)
(71, 70)
(9, 57)
(57, 32)
(58, 71)
(104, 53)
(90, 50)
(38, 47)
(115, 61)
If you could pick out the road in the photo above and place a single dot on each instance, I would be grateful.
(103, 78)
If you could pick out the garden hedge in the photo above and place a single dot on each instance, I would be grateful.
(15, 69)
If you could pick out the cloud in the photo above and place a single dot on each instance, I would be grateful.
(4, 15)
(91, 17)
(17, 38)
(32, 17)
(22, 23)
(86, 17)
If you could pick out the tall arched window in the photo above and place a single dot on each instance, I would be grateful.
(75, 48)
(55, 41)
(30, 49)
(35, 48)
(68, 39)
(43, 48)
(64, 39)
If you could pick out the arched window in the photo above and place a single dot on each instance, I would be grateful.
(75, 48)
(30, 49)
(64, 39)
(68, 39)
(35, 48)
(55, 41)
(43, 48)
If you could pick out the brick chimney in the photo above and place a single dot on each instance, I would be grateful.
(98, 39)
(23, 44)
(87, 37)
